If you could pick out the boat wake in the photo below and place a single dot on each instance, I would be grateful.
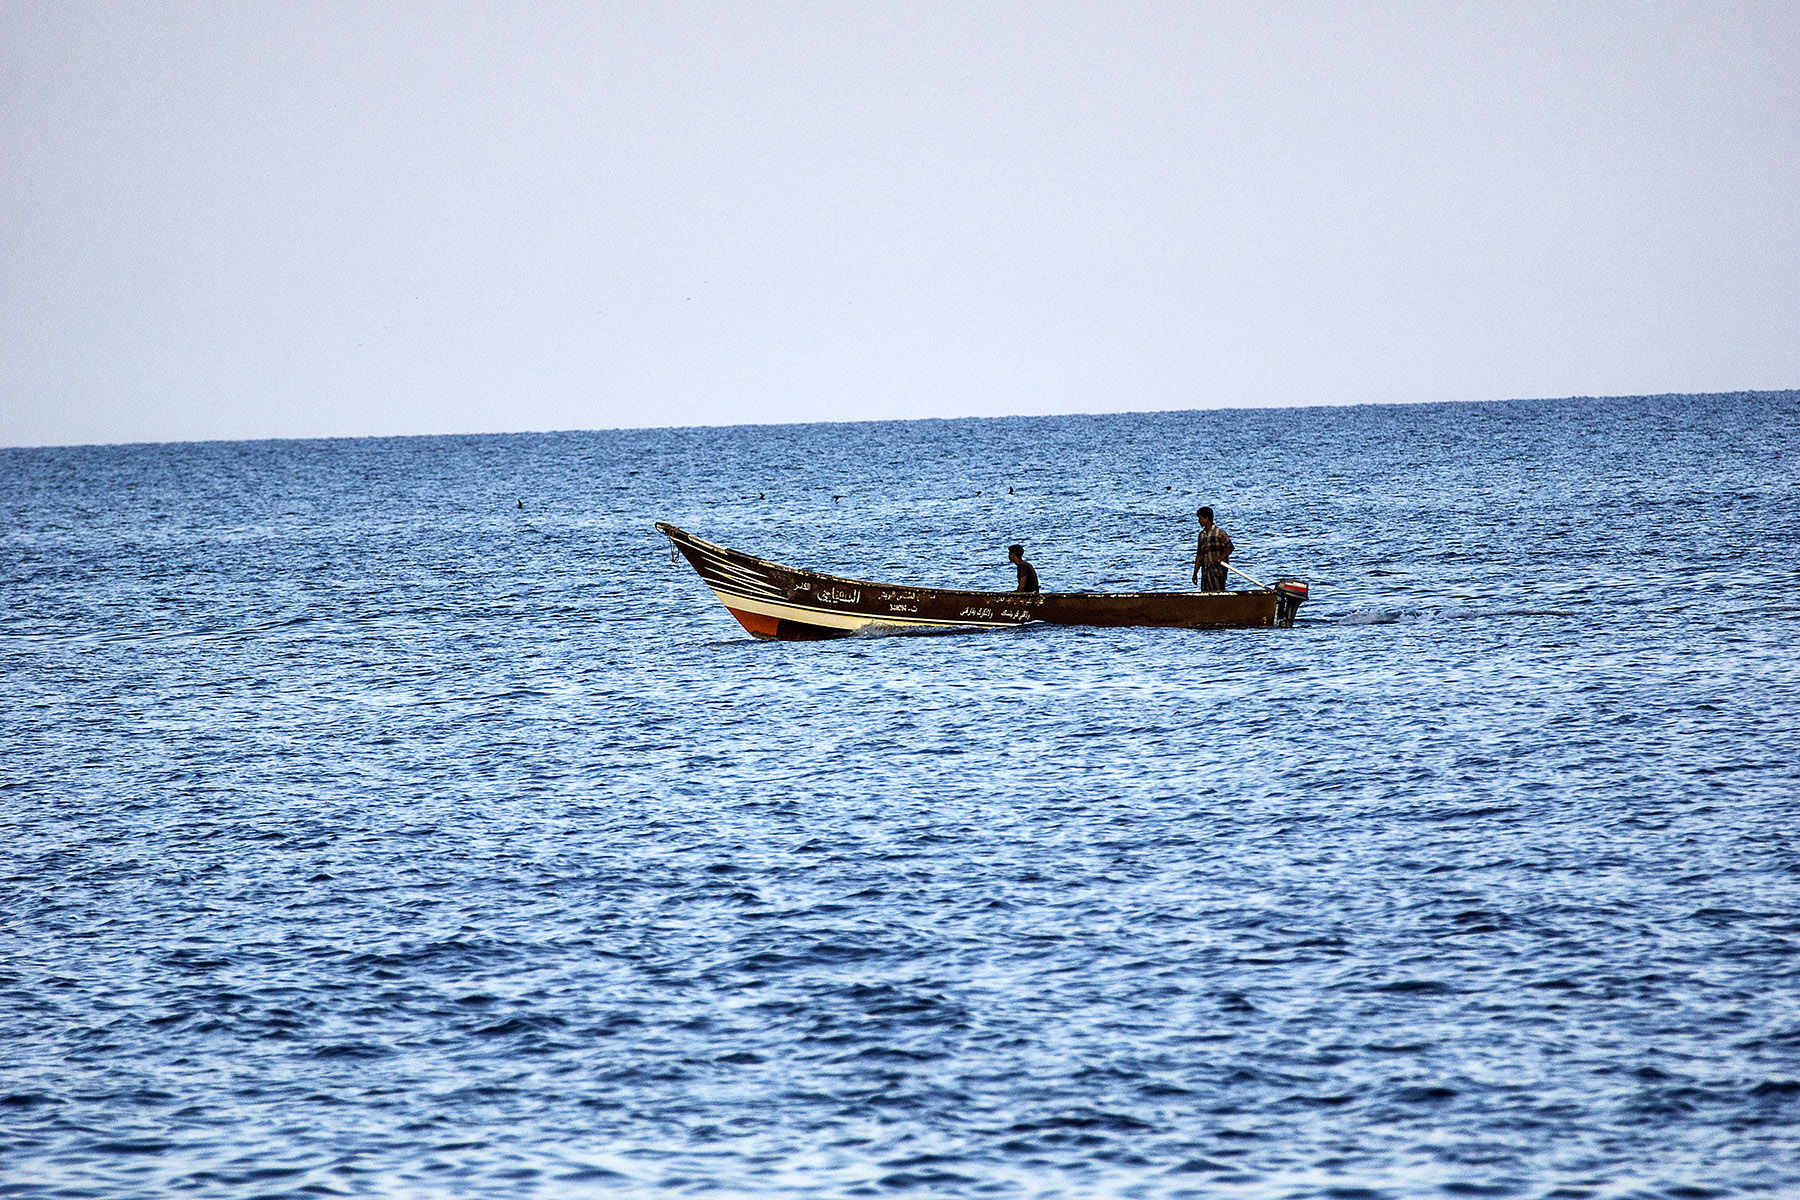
(1379, 616)
(877, 630)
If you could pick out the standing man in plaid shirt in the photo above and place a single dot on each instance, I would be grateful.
(1210, 555)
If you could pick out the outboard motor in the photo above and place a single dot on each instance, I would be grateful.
(1290, 594)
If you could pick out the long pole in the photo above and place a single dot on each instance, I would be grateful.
(1235, 571)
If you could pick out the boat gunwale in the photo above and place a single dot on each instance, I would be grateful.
(677, 535)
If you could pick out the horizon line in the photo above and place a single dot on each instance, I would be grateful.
(366, 437)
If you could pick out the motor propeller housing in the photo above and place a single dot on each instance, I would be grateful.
(1290, 594)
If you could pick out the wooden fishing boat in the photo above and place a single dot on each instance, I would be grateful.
(773, 601)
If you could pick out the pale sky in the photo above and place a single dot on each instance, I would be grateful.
(240, 220)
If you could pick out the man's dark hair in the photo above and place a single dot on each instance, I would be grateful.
(1017, 549)
(1205, 512)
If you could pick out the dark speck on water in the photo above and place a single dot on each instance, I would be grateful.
(362, 839)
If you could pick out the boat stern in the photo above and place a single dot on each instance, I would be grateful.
(1290, 594)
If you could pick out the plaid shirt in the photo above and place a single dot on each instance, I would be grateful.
(1215, 545)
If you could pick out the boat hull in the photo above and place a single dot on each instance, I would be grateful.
(787, 603)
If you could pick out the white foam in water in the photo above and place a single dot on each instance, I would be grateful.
(878, 630)
(1376, 617)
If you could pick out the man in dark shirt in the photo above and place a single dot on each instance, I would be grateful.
(1028, 581)
(1210, 555)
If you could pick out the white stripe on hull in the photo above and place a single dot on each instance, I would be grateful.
(835, 620)
(756, 584)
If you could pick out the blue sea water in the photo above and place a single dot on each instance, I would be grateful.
(363, 833)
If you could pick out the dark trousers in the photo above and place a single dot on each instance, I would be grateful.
(1212, 579)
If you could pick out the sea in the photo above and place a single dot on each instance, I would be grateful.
(394, 817)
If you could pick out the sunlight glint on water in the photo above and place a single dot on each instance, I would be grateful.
(366, 833)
